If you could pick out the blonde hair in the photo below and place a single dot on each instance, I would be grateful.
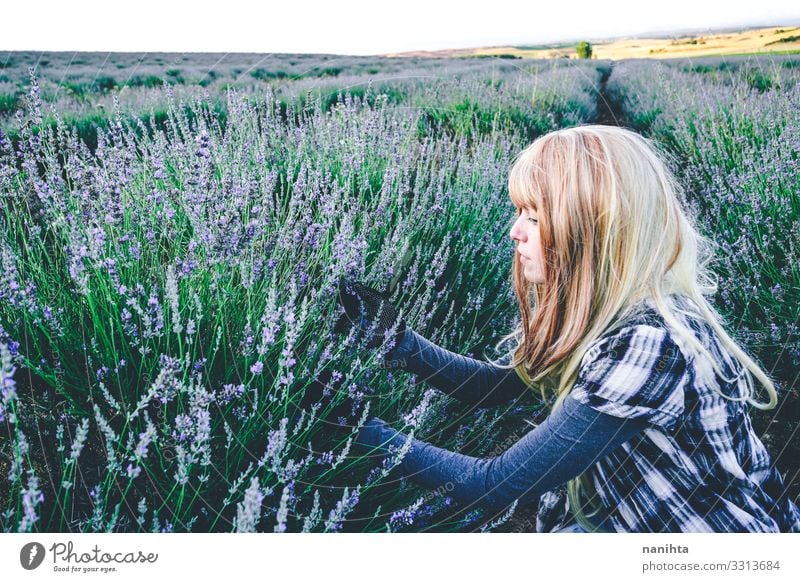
(613, 232)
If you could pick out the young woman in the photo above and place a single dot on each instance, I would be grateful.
(649, 421)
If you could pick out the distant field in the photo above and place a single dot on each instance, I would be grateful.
(773, 40)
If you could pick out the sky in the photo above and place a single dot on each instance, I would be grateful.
(357, 27)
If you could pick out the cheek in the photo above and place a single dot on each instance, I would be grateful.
(539, 252)
(537, 242)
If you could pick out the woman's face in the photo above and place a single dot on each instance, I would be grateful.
(525, 231)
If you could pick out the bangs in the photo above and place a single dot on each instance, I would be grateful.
(523, 185)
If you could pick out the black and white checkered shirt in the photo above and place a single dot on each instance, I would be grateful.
(699, 467)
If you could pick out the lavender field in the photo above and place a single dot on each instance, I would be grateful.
(172, 233)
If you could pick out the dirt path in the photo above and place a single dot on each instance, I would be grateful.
(607, 113)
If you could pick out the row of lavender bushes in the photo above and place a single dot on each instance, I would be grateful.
(454, 92)
(735, 124)
(167, 297)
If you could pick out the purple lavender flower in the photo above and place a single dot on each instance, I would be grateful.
(249, 510)
(8, 392)
(31, 497)
(230, 392)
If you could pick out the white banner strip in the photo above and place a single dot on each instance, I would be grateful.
(401, 557)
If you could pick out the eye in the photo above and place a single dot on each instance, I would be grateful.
(534, 220)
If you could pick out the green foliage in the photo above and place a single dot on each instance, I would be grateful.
(209, 78)
(643, 120)
(78, 90)
(8, 104)
(584, 50)
(176, 76)
(330, 71)
(758, 80)
(470, 119)
(793, 38)
(702, 69)
(265, 75)
(88, 125)
(500, 56)
(148, 81)
(541, 47)
(104, 84)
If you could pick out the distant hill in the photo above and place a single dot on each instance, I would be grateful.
(774, 39)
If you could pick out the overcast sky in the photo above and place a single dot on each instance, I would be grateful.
(357, 27)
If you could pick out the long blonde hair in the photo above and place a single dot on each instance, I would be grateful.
(613, 232)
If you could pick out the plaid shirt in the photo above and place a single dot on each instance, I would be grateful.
(700, 467)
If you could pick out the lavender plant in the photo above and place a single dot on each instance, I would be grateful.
(169, 295)
(740, 163)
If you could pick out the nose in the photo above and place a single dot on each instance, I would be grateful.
(517, 233)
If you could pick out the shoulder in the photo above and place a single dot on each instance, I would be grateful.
(644, 328)
(640, 345)
(635, 371)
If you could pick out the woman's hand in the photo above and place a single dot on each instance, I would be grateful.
(323, 389)
(344, 415)
(366, 308)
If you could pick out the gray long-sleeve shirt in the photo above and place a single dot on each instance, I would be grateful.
(717, 474)
(569, 441)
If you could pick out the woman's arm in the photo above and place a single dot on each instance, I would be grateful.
(472, 381)
(570, 440)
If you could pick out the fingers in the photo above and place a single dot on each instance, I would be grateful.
(343, 324)
(370, 293)
(324, 390)
(363, 307)
(349, 299)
